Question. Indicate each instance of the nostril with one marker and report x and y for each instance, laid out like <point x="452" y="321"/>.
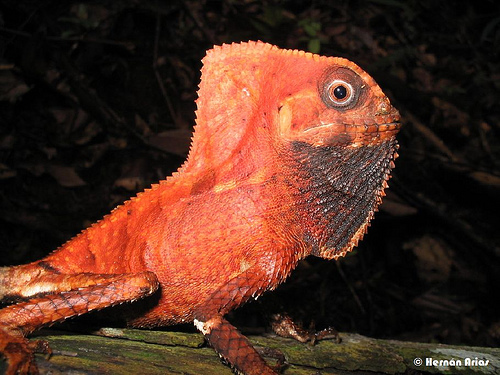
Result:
<point x="384" y="108"/>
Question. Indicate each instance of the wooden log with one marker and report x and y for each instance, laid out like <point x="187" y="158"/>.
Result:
<point x="131" y="351"/>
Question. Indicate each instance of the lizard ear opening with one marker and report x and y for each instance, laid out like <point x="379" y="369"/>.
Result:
<point x="285" y="118"/>
<point x="341" y="89"/>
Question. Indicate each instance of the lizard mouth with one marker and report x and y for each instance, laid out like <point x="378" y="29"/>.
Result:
<point x="371" y="128"/>
<point x="352" y="135"/>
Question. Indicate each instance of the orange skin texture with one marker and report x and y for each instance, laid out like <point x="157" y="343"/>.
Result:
<point x="231" y="223"/>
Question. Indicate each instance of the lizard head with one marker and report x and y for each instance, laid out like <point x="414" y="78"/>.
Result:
<point x="320" y="125"/>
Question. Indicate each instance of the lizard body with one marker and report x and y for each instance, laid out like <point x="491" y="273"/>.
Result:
<point x="290" y="157"/>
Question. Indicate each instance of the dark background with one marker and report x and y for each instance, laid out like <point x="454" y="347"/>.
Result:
<point x="97" y="102"/>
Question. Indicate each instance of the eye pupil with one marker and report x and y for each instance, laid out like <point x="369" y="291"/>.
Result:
<point x="340" y="92"/>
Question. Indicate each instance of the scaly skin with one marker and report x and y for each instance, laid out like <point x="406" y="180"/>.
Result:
<point x="281" y="166"/>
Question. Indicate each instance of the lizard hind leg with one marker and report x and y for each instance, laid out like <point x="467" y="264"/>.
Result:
<point x="87" y="292"/>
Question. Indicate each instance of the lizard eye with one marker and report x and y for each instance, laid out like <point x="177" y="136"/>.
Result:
<point x="341" y="89"/>
<point x="340" y="93"/>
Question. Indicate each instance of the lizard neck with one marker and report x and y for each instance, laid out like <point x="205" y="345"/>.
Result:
<point x="338" y="189"/>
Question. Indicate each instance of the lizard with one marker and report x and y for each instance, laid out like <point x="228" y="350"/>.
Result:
<point x="290" y="156"/>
